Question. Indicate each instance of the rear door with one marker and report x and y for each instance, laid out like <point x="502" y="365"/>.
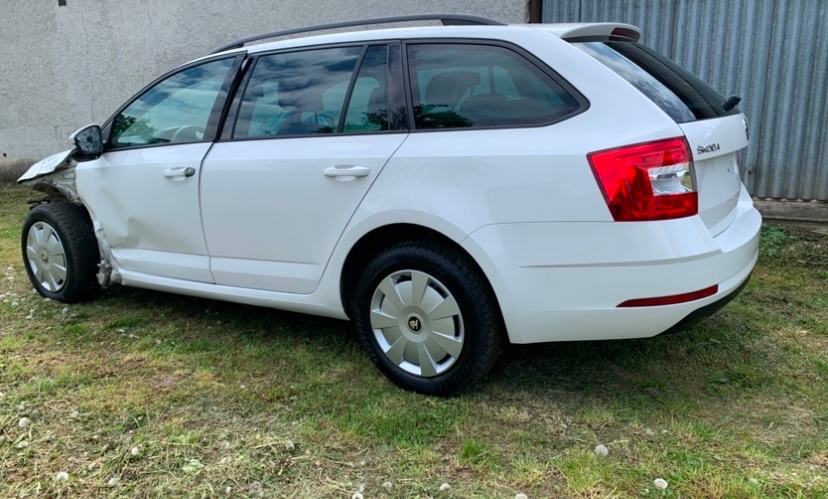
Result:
<point x="311" y="132"/>
<point x="714" y="130"/>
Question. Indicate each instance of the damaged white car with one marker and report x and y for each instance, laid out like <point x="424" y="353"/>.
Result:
<point x="448" y="188"/>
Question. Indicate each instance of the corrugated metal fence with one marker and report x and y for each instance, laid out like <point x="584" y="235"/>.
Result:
<point x="772" y="53"/>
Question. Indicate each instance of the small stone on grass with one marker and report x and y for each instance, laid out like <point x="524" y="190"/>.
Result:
<point x="660" y="483"/>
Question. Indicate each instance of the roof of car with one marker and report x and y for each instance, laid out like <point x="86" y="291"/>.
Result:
<point x="459" y="26"/>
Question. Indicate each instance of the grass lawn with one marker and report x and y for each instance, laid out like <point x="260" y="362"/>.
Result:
<point x="145" y="394"/>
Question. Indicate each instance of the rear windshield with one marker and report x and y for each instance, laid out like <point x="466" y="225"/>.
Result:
<point x="678" y="92"/>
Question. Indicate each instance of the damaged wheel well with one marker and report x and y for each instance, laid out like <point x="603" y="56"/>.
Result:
<point x="55" y="193"/>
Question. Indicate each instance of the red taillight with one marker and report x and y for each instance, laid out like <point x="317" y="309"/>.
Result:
<point x="650" y="181"/>
<point x="672" y="299"/>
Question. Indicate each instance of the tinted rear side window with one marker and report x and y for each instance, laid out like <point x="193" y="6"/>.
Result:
<point x="678" y="92"/>
<point x="473" y="86"/>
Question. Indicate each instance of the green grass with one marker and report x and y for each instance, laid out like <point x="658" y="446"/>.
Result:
<point x="271" y="404"/>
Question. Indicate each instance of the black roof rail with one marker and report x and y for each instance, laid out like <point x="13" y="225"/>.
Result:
<point x="446" y="19"/>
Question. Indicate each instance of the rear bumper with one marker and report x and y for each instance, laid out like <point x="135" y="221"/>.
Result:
<point x="706" y="311"/>
<point x="564" y="281"/>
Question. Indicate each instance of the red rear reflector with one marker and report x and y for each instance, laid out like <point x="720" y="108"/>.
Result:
<point x="672" y="299"/>
<point x="650" y="181"/>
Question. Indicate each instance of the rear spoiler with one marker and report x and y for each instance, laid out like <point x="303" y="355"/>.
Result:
<point x="593" y="32"/>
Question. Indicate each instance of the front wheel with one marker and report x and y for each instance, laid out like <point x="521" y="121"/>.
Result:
<point x="427" y="318"/>
<point x="60" y="252"/>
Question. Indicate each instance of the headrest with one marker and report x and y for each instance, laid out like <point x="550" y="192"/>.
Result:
<point x="446" y="89"/>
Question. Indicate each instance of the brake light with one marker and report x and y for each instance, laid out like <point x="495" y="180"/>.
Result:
<point x="650" y="181"/>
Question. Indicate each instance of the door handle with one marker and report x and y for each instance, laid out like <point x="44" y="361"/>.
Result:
<point x="179" y="173"/>
<point x="347" y="172"/>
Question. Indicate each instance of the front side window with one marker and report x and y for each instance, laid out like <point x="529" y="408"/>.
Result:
<point x="296" y="93"/>
<point x="175" y="111"/>
<point x="473" y="86"/>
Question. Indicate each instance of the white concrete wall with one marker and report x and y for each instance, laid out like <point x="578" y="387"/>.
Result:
<point x="67" y="66"/>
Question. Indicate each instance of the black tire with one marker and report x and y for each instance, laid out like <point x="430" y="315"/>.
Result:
<point x="476" y="322"/>
<point x="60" y="252"/>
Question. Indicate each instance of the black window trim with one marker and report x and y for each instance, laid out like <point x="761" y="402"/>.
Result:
<point x="216" y="114"/>
<point x="231" y="118"/>
<point x="343" y="113"/>
<point x="395" y="85"/>
<point x="583" y="102"/>
<point x="228" y="127"/>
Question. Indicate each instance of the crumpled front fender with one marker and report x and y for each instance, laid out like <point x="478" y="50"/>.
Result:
<point x="55" y="177"/>
<point x="53" y="163"/>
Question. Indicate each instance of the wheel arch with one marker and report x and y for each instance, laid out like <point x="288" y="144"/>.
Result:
<point x="361" y="253"/>
<point x="58" y="193"/>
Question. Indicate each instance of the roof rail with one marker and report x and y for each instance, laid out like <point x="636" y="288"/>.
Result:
<point x="446" y="19"/>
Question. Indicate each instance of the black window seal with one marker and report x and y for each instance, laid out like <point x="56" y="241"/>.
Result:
<point x="240" y="78"/>
<point x="396" y="94"/>
<point x="317" y="135"/>
<point x="215" y="113"/>
<point x="409" y="99"/>
<point x="583" y="102"/>
<point x="347" y="101"/>
<point x="229" y="128"/>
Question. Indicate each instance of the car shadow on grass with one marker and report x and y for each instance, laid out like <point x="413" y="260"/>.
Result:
<point x="706" y="360"/>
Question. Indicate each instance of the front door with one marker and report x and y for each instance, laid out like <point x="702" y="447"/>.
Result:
<point x="144" y="188"/>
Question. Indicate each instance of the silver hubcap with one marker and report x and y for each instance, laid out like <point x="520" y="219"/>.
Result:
<point x="46" y="256"/>
<point x="417" y="323"/>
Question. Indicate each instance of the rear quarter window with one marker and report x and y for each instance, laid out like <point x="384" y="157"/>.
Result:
<point x="480" y="86"/>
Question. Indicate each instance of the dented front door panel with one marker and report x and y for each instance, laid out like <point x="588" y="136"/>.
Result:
<point x="146" y="202"/>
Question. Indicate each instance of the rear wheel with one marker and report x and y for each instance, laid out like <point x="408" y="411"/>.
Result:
<point x="427" y="318"/>
<point x="60" y="252"/>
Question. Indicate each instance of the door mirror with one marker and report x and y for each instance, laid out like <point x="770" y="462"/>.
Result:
<point x="88" y="142"/>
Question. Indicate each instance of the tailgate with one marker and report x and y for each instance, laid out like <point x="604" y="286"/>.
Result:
<point x="715" y="144"/>
<point x="714" y="128"/>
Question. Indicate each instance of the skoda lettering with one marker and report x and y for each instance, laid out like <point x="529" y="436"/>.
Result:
<point x="708" y="149"/>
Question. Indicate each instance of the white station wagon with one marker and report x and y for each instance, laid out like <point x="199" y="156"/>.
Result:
<point x="448" y="188"/>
